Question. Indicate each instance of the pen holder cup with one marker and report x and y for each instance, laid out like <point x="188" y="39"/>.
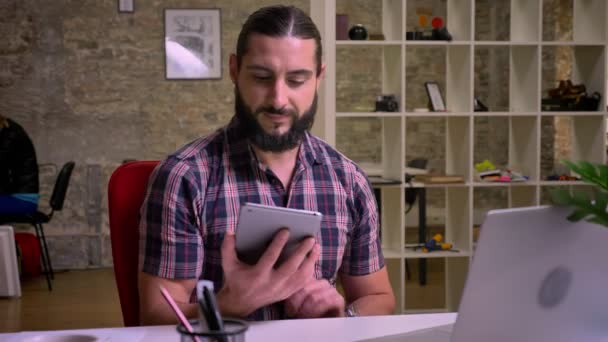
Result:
<point x="234" y="331"/>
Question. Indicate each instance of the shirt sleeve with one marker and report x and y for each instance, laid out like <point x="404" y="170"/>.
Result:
<point x="170" y="241"/>
<point x="363" y="254"/>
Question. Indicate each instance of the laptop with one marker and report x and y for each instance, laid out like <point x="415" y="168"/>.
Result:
<point x="535" y="276"/>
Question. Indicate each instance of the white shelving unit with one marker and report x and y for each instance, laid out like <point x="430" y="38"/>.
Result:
<point x="524" y="115"/>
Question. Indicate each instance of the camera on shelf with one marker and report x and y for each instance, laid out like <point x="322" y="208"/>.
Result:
<point x="386" y="103"/>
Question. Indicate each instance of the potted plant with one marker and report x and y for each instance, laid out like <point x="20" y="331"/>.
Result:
<point x="593" y="209"/>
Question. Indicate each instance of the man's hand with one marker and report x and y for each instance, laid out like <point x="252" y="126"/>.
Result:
<point x="317" y="299"/>
<point x="248" y="288"/>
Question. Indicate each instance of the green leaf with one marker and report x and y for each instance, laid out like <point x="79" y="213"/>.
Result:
<point x="561" y="196"/>
<point x="596" y="210"/>
<point x="603" y="171"/>
<point x="578" y="215"/>
<point x="581" y="197"/>
<point x="599" y="220"/>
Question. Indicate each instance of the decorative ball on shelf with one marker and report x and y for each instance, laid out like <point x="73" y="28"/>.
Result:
<point x="357" y="32"/>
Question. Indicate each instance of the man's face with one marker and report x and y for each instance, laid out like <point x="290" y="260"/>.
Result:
<point x="275" y="90"/>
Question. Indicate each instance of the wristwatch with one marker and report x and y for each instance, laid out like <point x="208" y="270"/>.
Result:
<point x="350" y="311"/>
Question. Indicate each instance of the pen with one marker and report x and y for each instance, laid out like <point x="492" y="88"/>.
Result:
<point x="217" y="323"/>
<point x="177" y="311"/>
<point x="209" y="308"/>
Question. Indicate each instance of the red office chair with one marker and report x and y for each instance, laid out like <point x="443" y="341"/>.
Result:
<point x="126" y="192"/>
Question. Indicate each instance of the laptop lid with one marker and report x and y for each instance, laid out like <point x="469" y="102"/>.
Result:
<point x="536" y="276"/>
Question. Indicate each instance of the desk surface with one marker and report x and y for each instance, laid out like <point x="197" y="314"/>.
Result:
<point x="329" y="329"/>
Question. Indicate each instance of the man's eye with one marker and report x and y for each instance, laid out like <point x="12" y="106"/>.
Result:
<point x="296" y="82"/>
<point x="262" y="78"/>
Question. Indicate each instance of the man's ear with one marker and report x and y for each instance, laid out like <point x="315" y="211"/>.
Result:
<point x="320" y="75"/>
<point x="233" y="68"/>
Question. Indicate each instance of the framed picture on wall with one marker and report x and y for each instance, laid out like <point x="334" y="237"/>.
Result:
<point x="125" y="6"/>
<point x="193" y="47"/>
<point x="432" y="90"/>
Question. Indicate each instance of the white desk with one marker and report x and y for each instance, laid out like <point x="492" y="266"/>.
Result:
<point x="317" y="330"/>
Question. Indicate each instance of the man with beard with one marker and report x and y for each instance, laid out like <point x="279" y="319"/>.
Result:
<point x="266" y="155"/>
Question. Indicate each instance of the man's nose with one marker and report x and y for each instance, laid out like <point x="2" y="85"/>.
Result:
<point x="278" y="94"/>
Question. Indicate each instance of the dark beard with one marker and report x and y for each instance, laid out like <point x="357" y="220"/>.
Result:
<point x="269" y="142"/>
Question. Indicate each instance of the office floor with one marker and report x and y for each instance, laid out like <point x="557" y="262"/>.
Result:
<point x="80" y="299"/>
<point x="88" y="299"/>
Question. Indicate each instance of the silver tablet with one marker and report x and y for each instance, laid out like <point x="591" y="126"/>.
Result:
<point x="258" y="224"/>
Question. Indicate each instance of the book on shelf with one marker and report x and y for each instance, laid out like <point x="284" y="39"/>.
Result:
<point x="439" y="178"/>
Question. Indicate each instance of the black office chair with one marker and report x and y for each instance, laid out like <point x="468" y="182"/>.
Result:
<point x="410" y="196"/>
<point x="412" y="193"/>
<point x="38" y="218"/>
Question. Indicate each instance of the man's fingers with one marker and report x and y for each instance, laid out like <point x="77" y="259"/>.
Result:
<point x="311" y="258"/>
<point x="293" y="303"/>
<point x="324" y="301"/>
<point x="303" y="252"/>
<point x="272" y="253"/>
<point x="309" y="292"/>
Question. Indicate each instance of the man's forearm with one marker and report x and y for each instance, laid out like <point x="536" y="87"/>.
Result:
<point x="162" y="314"/>
<point x="374" y="305"/>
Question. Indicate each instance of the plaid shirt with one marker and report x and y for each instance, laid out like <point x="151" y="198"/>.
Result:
<point x="194" y="197"/>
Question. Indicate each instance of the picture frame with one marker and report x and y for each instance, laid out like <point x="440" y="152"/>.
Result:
<point x="435" y="98"/>
<point x="126" y="6"/>
<point x="193" y="47"/>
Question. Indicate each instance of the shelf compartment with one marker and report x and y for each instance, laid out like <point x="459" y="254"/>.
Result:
<point x="422" y="141"/>
<point x="523" y="196"/>
<point x="525" y="20"/>
<point x="458" y="146"/>
<point x="436" y="9"/>
<point x="459" y="22"/>
<point x="377" y="17"/>
<point x="393" y="147"/>
<point x="392" y="202"/>
<point x="425" y="296"/>
<point x="392" y="19"/>
<point x="365" y="72"/>
<point x="524" y="139"/>
<point x="458" y="218"/>
<point x="421" y="225"/>
<point x="492" y="20"/>
<point x="589" y="20"/>
<point x="557" y="19"/>
<point x="367" y="148"/>
<point x="492" y="69"/>
<point x="459" y="97"/>
<point x="457" y="270"/>
<point x="580" y="64"/>
<point x="491" y="141"/>
<point x="424" y="64"/>
<point x="524" y="79"/>
<point x="486" y="199"/>
<point x="573" y="138"/>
